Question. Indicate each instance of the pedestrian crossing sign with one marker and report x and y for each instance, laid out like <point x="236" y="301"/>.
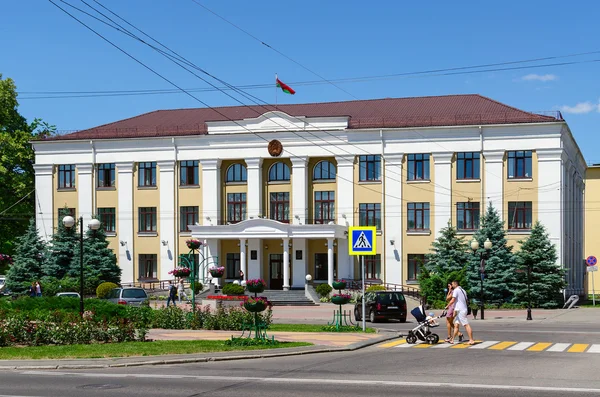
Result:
<point x="362" y="240"/>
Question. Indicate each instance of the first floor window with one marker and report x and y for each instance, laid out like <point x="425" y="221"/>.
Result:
<point x="519" y="215"/>
<point x="370" y="215"/>
<point x="415" y="263"/>
<point x="467" y="216"/>
<point x="321" y="267"/>
<point x="147" y="266"/>
<point x="107" y="217"/>
<point x="187" y="216"/>
<point x="418" y="216"/>
<point x="147" y="220"/>
<point x="236" y="207"/>
<point x="373" y="267"/>
<point x="233" y="265"/>
<point x="324" y="207"/>
<point x="280" y="206"/>
<point x="66" y="176"/>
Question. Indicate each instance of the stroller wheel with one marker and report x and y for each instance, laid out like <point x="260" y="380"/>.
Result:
<point x="411" y="339"/>
<point x="432" y="339"/>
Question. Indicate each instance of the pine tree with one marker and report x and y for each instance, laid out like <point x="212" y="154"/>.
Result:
<point x="28" y="260"/>
<point x="501" y="264"/>
<point x="538" y="254"/>
<point x="99" y="261"/>
<point x="62" y="248"/>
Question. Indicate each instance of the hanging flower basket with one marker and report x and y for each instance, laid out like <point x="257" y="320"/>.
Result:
<point x="256" y="305"/>
<point x="340" y="299"/>
<point x="180" y="272"/>
<point x="339" y="284"/>
<point x="216" y="272"/>
<point x="193" y="244"/>
<point x="256" y="285"/>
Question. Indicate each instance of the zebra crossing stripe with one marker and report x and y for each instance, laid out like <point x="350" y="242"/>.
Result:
<point x="538" y="347"/>
<point x="423" y="346"/>
<point x="521" y="346"/>
<point x="394" y="343"/>
<point x="485" y="345"/>
<point x="578" y="348"/>
<point x="594" y="349"/>
<point x="559" y="347"/>
<point x="442" y="345"/>
<point x="405" y="345"/>
<point x="502" y="345"/>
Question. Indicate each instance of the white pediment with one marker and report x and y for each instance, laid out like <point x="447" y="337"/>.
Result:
<point x="277" y="121"/>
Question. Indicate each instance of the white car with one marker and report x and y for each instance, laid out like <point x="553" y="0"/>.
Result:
<point x="68" y="294"/>
<point x="2" y="282"/>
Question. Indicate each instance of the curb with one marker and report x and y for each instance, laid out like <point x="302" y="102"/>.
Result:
<point x="352" y="347"/>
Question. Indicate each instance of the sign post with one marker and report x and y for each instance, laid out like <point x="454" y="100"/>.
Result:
<point x="362" y="242"/>
<point x="591" y="262"/>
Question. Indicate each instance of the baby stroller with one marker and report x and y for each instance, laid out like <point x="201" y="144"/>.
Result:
<point x="422" y="331"/>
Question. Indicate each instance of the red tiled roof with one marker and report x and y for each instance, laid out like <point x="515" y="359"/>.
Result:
<point x="451" y="110"/>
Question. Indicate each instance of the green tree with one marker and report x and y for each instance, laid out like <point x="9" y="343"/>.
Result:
<point x="538" y="254"/>
<point x="29" y="258"/>
<point x="99" y="261"/>
<point x="62" y="248"/>
<point x="501" y="264"/>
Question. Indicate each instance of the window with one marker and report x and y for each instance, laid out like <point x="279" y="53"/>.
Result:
<point x="519" y="164"/>
<point x="415" y="262"/>
<point x="418" y="216"/>
<point x="279" y="172"/>
<point x="108" y="219"/>
<point x="418" y="167"/>
<point x="66" y="177"/>
<point x="237" y="173"/>
<point x="324" y="207"/>
<point x="321" y="267"/>
<point x="280" y="207"/>
<point x="188" y="173"/>
<point x="62" y="212"/>
<point x="147" y="266"/>
<point x="324" y="171"/>
<point x="519" y="215"/>
<point x="106" y="175"/>
<point x="187" y="216"/>
<point x="373" y="267"/>
<point x="233" y="265"/>
<point x="147" y="174"/>
<point x="369" y="168"/>
<point x="236" y="207"/>
<point x="370" y="215"/>
<point x="467" y="216"/>
<point x="467" y="165"/>
<point x="147" y="219"/>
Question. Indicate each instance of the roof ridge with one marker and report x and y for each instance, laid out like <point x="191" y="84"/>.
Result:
<point x="119" y="121"/>
<point x="504" y="104"/>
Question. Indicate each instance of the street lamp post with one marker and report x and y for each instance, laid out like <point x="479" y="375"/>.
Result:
<point x="94" y="224"/>
<point x="482" y="256"/>
<point x="529" y="293"/>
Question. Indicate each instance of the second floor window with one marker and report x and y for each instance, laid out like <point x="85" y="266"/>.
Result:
<point x="519" y="215"/>
<point x="147" y="174"/>
<point x="324" y="171"/>
<point x="369" y="168"/>
<point x="66" y="176"/>
<point x="467" y="216"/>
<point x="370" y="215"/>
<point x="107" y="216"/>
<point x="188" y="173"/>
<point x="418" y="216"/>
<point x="519" y="164"/>
<point x="279" y="172"/>
<point x="415" y="263"/>
<point x="147" y="220"/>
<point x="236" y="173"/>
<point x="418" y="167"/>
<point x="280" y="206"/>
<point x="324" y="207"/>
<point x="187" y="216"/>
<point x="467" y="165"/>
<point x="236" y="207"/>
<point x="106" y="175"/>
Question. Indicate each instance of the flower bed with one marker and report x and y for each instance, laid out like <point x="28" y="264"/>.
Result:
<point x="227" y="297"/>
<point x="193" y="244"/>
<point x="256" y="285"/>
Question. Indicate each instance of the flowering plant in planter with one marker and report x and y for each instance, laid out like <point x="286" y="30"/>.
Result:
<point x="5" y="259"/>
<point x="193" y="243"/>
<point x="341" y="299"/>
<point x="257" y="304"/>
<point x="256" y="285"/>
<point x="180" y="272"/>
<point x="339" y="284"/>
<point x="216" y="271"/>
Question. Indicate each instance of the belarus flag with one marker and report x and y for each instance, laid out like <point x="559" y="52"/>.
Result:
<point x="284" y="87"/>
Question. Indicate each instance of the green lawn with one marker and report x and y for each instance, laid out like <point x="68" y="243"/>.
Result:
<point x="311" y="328"/>
<point x="127" y="349"/>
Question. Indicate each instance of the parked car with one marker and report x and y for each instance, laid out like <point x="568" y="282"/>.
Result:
<point x="2" y="282"/>
<point x="382" y="305"/>
<point x="127" y="296"/>
<point x="69" y="295"/>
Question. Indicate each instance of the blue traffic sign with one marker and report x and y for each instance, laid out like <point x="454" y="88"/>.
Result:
<point x="591" y="260"/>
<point x="362" y="240"/>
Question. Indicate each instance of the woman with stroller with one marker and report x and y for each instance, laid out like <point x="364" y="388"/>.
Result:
<point x="450" y="316"/>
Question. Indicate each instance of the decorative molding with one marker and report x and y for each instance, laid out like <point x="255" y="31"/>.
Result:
<point x="493" y="156"/>
<point x="125" y="167"/>
<point x="43" y="169"/>
<point x="345" y="161"/>
<point x="255" y="163"/>
<point x="551" y="155"/>
<point x="442" y="157"/>
<point x="299" y="161"/>
<point x="166" y="166"/>
<point x="84" y="168"/>
<point x="210" y="164"/>
<point x="393" y="158"/>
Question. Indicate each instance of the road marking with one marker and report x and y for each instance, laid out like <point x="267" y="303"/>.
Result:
<point x="559" y="347"/>
<point x="442" y="345"/>
<point x="394" y="343"/>
<point x="538" y="347"/>
<point x="485" y="345"/>
<point x="521" y="346"/>
<point x="502" y="345"/>
<point x="578" y="348"/>
<point x="406" y="345"/>
<point x="594" y="349"/>
<point x="423" y="346"/>
<point x="461" y="345"/>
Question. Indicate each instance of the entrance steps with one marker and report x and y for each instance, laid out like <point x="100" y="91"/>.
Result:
<point x="287" y="298"/>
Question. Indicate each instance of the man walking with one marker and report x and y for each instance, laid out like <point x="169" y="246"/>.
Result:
<point x="172" y="294"/>
<point x="181" y="291"/>
<point x="459" y="300"/>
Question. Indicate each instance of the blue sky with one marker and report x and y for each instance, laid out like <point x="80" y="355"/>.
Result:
<point x="45" y="50"/>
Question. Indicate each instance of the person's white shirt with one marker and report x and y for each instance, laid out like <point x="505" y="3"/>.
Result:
<point x="460" y="299"/>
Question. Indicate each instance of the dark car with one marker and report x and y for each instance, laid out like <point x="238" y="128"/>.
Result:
<point x="127" y="296"/>
<point x="382" y="305"/>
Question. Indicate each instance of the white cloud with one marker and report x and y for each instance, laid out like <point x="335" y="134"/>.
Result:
<point x="539" y="77"/>
<point x="581" y="108"/>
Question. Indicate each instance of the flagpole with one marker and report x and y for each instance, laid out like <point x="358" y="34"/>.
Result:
<point x="275" y="90"/>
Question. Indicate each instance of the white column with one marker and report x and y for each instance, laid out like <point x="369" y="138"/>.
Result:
<point x="255" y="188"/>
<point x="286" y="264"/>
<point x="442" y="205"/>
<point x="125" y="218"/>
<point x="44" y="188"/>
<point x="85" y="192"/>
<point x="343" y="259"/>
<point x="299" y="265"/>
<point x="211" y="255"/>
<point x="299" y="190"/>
<point x="166" y="210"/>
<point x="211" y="192"/>
<point x="344" y="201"/>
<point x="243" y="258"/>
<point x="494" y="181"/>
<point x="330" y="261"/>
<point x="393" y="218"/>
<point x="255" y="265"/>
